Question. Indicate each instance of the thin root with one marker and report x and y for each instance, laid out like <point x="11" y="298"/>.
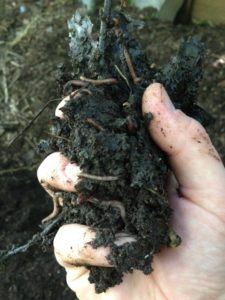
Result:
<point x="31" y="122"/>
<point x="108" y="81"/>
<point x="57" y="136"/>
<point x="37" y="238"/>
<point x="122" y="75"/>
<point x="130" y="66"/>
<point x="19" y="169"/>
<point x="99" y="178"/>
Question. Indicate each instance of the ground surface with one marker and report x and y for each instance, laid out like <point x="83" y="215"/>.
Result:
<point x="28" y="68"/>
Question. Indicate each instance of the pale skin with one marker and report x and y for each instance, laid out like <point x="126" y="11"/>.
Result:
<point x="196" y="189"/>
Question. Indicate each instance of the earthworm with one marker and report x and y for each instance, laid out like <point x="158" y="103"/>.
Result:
<point x="108" y="81"/>
<point x="75" y="82"/>
<point x="113" y="203"/>
<point x="99" y="178"/>
<point x="57" y="203"/>
<point x="86" y="91"/>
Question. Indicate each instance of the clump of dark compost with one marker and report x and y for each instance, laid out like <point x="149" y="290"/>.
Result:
<point x="104" y="132"/>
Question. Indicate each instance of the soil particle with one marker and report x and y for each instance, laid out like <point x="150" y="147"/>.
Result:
<point x="36" y="275"/>
<point x="114" y="146"/>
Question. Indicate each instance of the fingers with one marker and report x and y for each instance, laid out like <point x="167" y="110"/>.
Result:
<point x="57" y="173"/>
<point x="72" y="248"/>
<point x="73" y="252"/>
<point x="58" y="112"/>
<point x="193" y="159"/>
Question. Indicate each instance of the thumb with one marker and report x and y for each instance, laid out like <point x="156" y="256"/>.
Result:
<point x="192" y="157"/>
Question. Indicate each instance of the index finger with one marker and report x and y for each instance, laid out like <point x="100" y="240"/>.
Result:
<point x="72" y="247"/>
<point x="193" y="159"/>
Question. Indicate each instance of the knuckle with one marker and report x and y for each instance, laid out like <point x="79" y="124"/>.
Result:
<point x="191" y="126"/>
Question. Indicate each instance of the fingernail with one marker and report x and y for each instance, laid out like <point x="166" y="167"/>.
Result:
<point x="155" y="97"/>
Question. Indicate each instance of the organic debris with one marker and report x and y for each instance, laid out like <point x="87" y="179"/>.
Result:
<point x="117" y="157"/>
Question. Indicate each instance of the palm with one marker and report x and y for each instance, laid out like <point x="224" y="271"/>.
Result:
<point x="181" y="273"/>
<point x="193" y="271"/>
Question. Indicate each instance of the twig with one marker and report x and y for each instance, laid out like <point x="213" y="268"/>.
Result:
<point x="30" y="143"/>
<point x="14" y="170"/>
<point x="56" y="136"/>
<point x="23" y="33"/>
<point x="155" y="193"/>
<point x="31" y="122"/>
<point x="130" y="66"/>
<point x="4" y="84"/>
<point x="108" y="81"/>
<point x="104" y="24"/>
<point x="99" y="178"/>
<point x="94" y="124"/>
<point x="37" y="238"/>
<point x="3" y="58"/>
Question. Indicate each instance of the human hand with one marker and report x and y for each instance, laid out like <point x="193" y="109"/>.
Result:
<point x="196" y="188"/>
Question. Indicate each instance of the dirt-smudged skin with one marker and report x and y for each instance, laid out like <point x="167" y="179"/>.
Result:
<point x="104" y="132"/>
<point x="136" y="162"/>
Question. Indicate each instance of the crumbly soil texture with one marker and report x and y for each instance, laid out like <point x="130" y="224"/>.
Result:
<point x="122" y="185"/>
<point x="30" y="68"/>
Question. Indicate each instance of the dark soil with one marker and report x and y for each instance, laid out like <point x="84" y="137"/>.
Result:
<point x="103" y="132"/>
<point x="35" y="275"/>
